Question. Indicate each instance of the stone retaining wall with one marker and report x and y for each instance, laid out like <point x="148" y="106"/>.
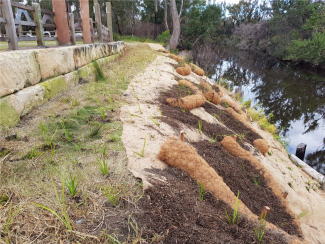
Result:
<point x="30" y="78"/>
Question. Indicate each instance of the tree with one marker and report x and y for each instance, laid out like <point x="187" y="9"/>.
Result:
<point x="174" y="40"/>
<point x="165" y="15"/>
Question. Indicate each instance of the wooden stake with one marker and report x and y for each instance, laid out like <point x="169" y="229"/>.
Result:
<point x="10" y="24"/>
<point x="265" y="211"/>
<point x="285" y="194"/>
<point x="72" y="29"/>
<point x="182" y="135"/>
<point x="39" y="25"/>
<point x="109" y="20"/>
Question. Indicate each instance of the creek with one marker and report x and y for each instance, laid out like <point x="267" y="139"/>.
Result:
<point x="295" y="96"/>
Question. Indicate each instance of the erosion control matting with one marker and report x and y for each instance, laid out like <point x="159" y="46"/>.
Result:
<point x="241" y="176"/>
<point x="176" y="213"/>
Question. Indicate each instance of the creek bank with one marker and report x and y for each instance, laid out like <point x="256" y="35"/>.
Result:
<point x="146" y="120"/>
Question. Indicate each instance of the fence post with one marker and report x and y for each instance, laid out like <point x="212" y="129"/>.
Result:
<point x="39" y="25"/>
<point x="98" y="19"/>
<point x="84" y="12"/>
<point x="61" y="21"/>
<point x="109" y="20"/>
<point x="92" y="33"/>
<point x="73" y="33"/>
<point x="9" y="25"/>
<point x="20" y="30"/>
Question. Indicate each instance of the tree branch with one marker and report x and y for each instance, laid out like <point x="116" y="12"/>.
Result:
<point x="180" y="12"/>
<point x="197" y="39"/>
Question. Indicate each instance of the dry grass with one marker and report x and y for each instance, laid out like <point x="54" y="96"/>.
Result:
<point x="27" y="180"/>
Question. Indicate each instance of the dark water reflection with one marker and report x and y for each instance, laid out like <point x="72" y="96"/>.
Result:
<point x="295" y="96"/>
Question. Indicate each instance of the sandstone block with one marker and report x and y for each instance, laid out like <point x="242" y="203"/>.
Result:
<point x="54" y="62"/>
<point x="18" y="70"/>
<point x="88" y="72"/>
<point x="53" y="87"/>
<point x="72" y="78"/>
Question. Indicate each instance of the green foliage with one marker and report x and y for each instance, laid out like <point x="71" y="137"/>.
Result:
<point x="112" y="194"/>
<point x="200" y="126"/>
<point x="102" y="164"/>
<point x="201" y="191"/>
<point x="144" y="145"/>
<point x="64" y="218"/>
<point x="10" y="218"/>
<point x="235" y="217"/>
<point x="33" y="154"/>
<point x="259" y="231"/>
<point x="164" y="37"/>
<point x="72" y="186"/>
<point x="66" y="131"/>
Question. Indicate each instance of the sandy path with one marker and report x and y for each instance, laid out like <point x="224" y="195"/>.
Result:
<point x="144" y="90"/>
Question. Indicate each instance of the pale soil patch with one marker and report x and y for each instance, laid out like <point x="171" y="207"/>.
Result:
<point x="159" y="76"/>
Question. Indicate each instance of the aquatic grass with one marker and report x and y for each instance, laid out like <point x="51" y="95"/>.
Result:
<point x="64" y="218"/>
<point x="144" y="145"/>
<point x="235" y="217"/>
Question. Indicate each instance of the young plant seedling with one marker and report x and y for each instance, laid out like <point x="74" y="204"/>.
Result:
<point x="52" y="153"/>
<point x="33" y="154"/>
<point x="259" y="231"/>
<point x="202" y="191"/>
<point x="102" y="112"/>
<point x="66" y="131"/>
<point x="154" y="119"/>
<point x="10" y="218"/>
<point x="72" y="187"/>
<point x="112" y="195"/>
<point x="132" y="121"/>
<point x="102" y="165"/>
<point x="200" y="126"/>
<point x="256" y="181"/>
<point x="144" y="145"/>
<point x="139" y="108"/>
<point x="64" y="218"/>
<point x="235" y="217"/>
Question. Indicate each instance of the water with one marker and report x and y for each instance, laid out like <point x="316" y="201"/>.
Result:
<point x="295" y="96"/>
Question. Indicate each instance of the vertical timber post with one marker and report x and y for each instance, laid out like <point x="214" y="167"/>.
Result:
<point x="300" y="151"/>
<point x="85" y="23"/>
<point x="39" y="25"/>
<point x="109" y="21"/>
<point x="61" y="21"/>
<point x="91" y="23"/>
<point x="73" y="32"/>
<point x="98" y="19"/>
<point x="20" y="31"/>
<point x="9" y="25"/>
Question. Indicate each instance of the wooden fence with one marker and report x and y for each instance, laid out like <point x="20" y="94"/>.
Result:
<point x="41" y="19"/>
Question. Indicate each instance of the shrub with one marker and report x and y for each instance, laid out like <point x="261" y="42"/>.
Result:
<point x="164" y="37"/>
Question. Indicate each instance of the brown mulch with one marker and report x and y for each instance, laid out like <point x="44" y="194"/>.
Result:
<point x="175" y="211"/>
<point x="239" y="175"/>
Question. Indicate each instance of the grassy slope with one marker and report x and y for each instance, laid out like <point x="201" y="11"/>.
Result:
<point x="27" y="180"/>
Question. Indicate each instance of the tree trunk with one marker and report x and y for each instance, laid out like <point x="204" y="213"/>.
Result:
<point x="155" y="2"/>
<point x="176" y="27"/>
<point x="165" y="16"/>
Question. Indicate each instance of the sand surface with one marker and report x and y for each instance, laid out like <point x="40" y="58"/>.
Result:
<point x="140" y="126"/>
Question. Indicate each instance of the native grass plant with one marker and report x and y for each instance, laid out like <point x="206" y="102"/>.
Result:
<point x="10" y="218"/>
<point x="64" y="218"/>
<point x="102" y="164"/>
<point x="144" y="145"/>
<point x="236" y="216"/>
<point x="71" y="185"/>
<point x="48" y="140"/>
<point x="241" y="136"/>
<point x="260" y="230"/>
<point x="50" y="160"/>
<point x="256" y="181"/>
<point x="201" y="191"/>
<point x="66" y="131"/>
<point x="112" y="193"/>
<point x="303" y="214"/>
<point x="200" y="126"/>
<point x="33" y="154"/>
<point x="102" y="112"/>
<point x="154" y="119"/>
<point x="132" y="121"/>
<point x="139" y="108"/>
